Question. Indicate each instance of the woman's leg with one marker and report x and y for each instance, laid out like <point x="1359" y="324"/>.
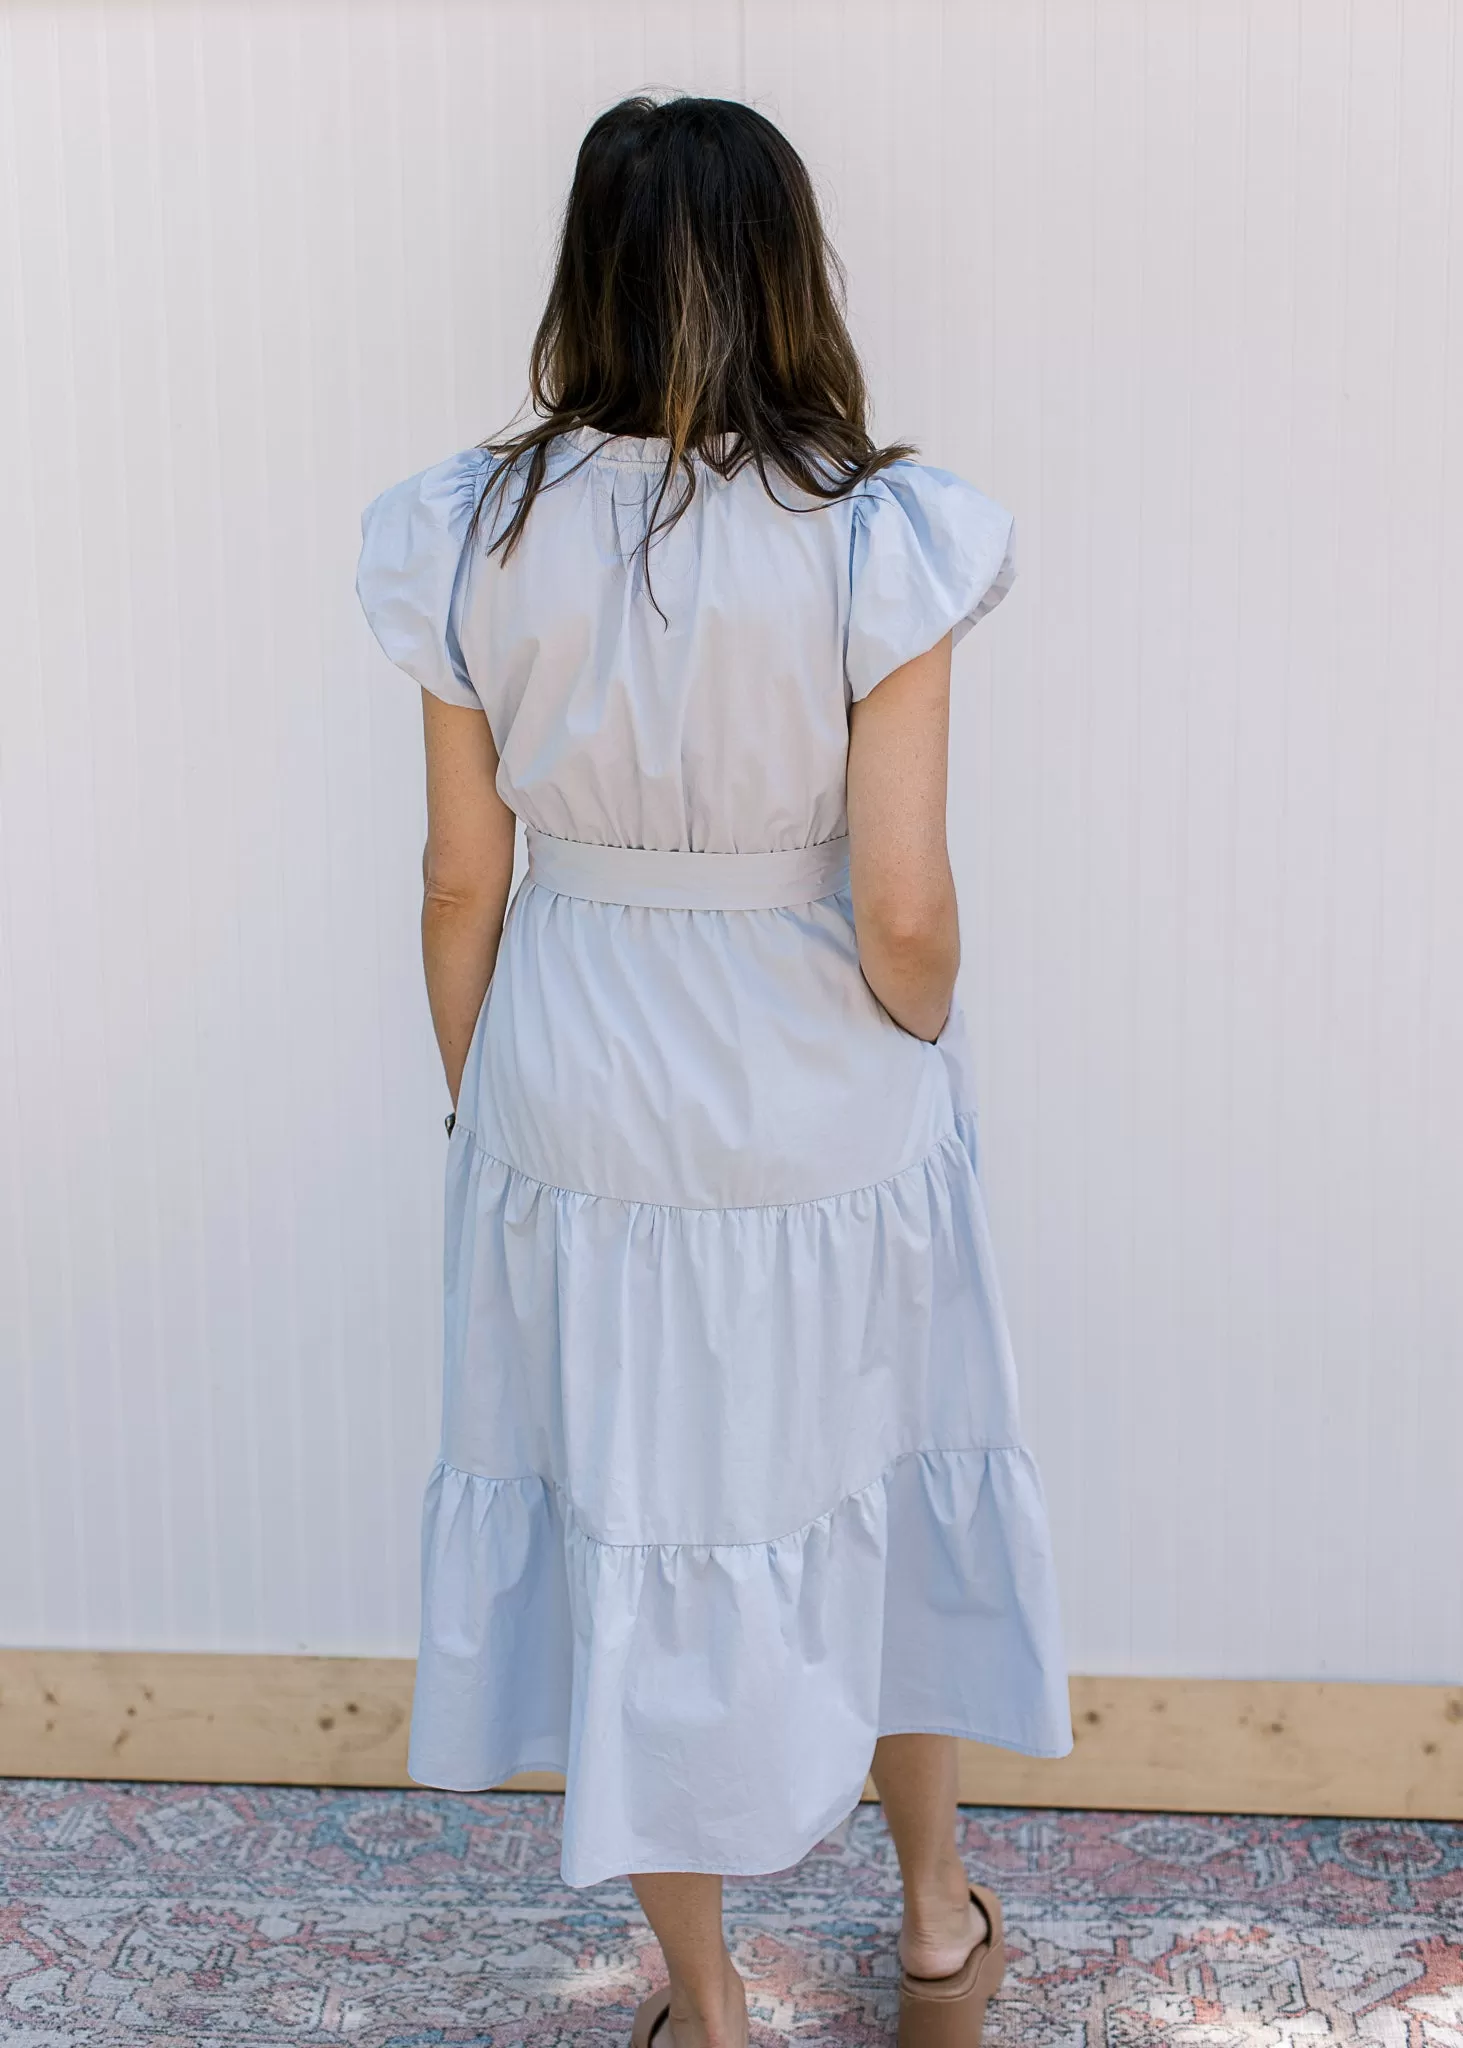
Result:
<point x="915" y="1777"/>
<point x="708" y="1998"/>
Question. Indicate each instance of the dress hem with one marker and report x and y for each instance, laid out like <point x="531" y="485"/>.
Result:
<point x="668" y="1863"/>
<point x="1041" y="1753"/>
<point x="687" y="1867"/>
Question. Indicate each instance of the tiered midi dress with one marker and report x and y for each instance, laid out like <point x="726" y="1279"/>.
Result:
<point x="731" y="1477"/>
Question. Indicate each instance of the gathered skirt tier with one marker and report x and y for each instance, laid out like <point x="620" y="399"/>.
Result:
<point x="725" y="1495"/>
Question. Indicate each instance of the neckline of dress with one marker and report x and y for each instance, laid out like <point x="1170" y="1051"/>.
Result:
<point x="643" y="450"/>
<point x="637" y="451"/>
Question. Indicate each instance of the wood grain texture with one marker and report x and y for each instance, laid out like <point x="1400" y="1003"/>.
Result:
<point x="214" y="1719"/>
<point x="1166" y="1745"/>
<point x="1217" y="1745"/>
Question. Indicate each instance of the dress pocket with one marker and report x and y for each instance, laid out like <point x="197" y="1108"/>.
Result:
<point x="469" y="1088"/>
<point x="953" y="1046"/>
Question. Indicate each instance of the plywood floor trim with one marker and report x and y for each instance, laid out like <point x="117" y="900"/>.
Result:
<point x="1188" y="1745"/>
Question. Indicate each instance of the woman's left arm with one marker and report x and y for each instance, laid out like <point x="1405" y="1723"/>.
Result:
<point x="467" y="870"/>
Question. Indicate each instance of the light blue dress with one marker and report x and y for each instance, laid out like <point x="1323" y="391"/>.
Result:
<point x="732" y="1478"/>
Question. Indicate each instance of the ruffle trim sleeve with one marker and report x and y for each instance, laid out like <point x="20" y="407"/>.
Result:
<point x="929" y="555"/>
<point x="413" y="571"/>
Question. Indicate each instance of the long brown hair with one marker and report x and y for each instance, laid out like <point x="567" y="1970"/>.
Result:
<point x="695" y="299"/>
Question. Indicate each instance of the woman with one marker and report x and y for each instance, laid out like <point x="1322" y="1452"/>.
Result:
<point x="732" y="1503"/>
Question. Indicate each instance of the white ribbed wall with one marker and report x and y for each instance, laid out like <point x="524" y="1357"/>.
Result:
<point x="1177" y="284"/>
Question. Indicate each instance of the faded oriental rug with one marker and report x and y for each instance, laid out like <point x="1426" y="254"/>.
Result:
<point x="177" y="1915"/>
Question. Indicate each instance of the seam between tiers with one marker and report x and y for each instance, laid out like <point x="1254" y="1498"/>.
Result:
<point x="955" y="1135"/>
<point x="758" y="1543"/>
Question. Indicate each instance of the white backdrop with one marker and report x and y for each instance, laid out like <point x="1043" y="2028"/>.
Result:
<point x="1176" y="283"/>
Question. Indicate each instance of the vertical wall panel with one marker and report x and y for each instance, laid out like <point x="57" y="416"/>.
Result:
<point x="1176" y="283"/>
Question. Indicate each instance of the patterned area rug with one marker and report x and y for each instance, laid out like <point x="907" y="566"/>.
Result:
<point x="180" y="1915"/>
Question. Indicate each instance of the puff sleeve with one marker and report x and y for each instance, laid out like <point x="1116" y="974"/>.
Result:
<point x="928" y="555"/>
<point x="413" y="569"/>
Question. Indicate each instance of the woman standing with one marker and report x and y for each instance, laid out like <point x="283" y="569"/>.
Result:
<point x="732" y="1502"/>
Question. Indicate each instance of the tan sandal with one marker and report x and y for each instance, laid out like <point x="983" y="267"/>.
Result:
<point x="949" y="2012"/>
<point x="649" y="2015"/>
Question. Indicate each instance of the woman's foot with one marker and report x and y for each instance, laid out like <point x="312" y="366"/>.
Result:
<point x="708" y="2007"/>
<point x="716" y="2022"/>
<point x="941" y="1928"/>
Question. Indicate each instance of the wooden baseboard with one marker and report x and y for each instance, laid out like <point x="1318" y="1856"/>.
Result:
<point x="1192" y="1745"/>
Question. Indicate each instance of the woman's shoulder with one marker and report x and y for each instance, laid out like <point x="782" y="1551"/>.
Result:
<point x="444" y="495"/>
<point x="930" y="555"/>
<point x="408" y="575"/>
<point x="933" y="501"/>
<point x="436" y="492"/>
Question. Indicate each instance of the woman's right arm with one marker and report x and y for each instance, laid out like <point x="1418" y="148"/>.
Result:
<point x="467" y="871"/>
<point x="904" y="909"/>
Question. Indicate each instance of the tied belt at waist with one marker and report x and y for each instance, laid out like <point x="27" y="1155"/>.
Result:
<point x="687" y="881"/>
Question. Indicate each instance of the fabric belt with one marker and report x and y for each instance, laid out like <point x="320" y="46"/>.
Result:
<point x="687" y="881"/>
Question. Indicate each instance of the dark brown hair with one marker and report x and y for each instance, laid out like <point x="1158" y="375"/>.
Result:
<point x="695" y="299"/>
